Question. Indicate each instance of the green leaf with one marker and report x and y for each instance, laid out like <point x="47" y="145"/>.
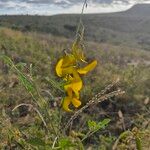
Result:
<point x="103" y="124"/>
<point x="92" y="125"/>
<point x="28" y="84"/>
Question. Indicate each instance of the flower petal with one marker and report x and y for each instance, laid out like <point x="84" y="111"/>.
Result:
<point x="69" y="92"/>
<point x="76" y="102"/>
<point x="77" y="94"/>
<point x="75" y="86"/>
<point x="88" y="68"/>
<point x="58" y="67"/>
<point x="77" y="82"/>
<point x="66" y="103"/>
<point x="67" y="70"/>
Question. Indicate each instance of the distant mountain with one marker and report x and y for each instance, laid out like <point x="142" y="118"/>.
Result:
<point x="139" y="10"/>
<point x="131" y="27"/>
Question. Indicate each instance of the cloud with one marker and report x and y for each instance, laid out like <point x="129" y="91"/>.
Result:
<point x="48" y="7"/>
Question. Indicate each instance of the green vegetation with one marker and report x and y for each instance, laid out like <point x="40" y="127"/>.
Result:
<point x="30" y="79"/>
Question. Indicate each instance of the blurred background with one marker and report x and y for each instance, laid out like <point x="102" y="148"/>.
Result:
<point x="117" y="35"/>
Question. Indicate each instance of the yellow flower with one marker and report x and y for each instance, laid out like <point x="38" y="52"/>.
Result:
<point x="67" y="68"/>
<point x="67" y="101"/>
<point x="75" y="84"/>
<point x="65" y="65"/>
<point x="71" y="98"/>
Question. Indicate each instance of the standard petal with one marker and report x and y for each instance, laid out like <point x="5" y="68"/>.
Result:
<point x="88" y="68"/>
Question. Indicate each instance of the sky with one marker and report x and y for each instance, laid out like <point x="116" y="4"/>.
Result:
<point x="51" y="7"/>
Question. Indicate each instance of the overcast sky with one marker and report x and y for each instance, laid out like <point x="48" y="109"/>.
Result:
<point x="50" y="7"/>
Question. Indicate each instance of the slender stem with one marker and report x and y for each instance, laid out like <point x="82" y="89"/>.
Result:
<point x="80" y="20"/>
<point x="54" y="142"/>
<point x="86" y="136"/>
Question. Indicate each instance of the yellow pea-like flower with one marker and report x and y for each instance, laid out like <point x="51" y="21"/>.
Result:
<point x="65" y="64"/>
<point x="68" y="69"/>
<point x="75" y="87"/>
<point x="75" y="84"/>
<point x="67" y="101"/>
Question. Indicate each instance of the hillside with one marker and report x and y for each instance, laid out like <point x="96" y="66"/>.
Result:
<point x="130" y="28"/>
